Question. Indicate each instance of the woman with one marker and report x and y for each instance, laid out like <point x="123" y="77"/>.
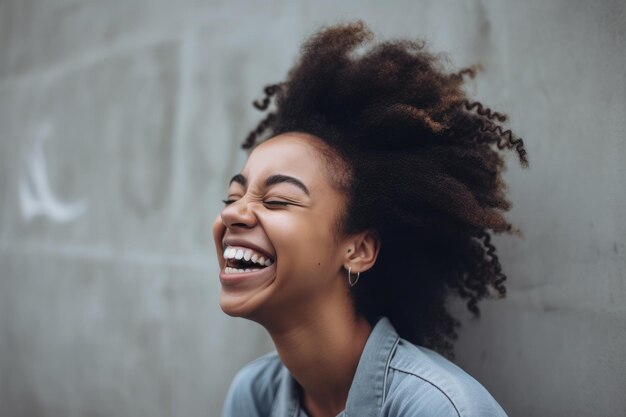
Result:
<point x="346" y="232"/>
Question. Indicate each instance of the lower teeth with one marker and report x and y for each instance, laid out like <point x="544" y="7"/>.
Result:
<point x="230" y="270"/>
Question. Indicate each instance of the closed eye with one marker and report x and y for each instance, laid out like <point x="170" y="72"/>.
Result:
<point x="276" y="203"/>
<point x="267" y="203"/>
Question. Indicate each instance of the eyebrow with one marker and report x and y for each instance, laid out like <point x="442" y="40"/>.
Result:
<point x="277" y="179"/>
<point x="273" y="180"/>
<point x="239" y="179"/>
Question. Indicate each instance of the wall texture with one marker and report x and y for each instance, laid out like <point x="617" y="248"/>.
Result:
<point x="119" y="126"/>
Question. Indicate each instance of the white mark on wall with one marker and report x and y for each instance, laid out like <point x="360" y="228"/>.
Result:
<point x="36" y="196"/>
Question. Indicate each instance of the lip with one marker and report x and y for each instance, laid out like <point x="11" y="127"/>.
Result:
<point x="263" y="274"/>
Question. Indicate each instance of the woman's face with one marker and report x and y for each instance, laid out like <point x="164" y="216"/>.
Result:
<point x="277" y="245"/>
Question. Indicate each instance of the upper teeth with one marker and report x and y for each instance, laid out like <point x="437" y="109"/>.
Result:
<point x="246" y="254"/>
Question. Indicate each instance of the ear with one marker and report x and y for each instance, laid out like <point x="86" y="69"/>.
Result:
<point x="361" y="251"/>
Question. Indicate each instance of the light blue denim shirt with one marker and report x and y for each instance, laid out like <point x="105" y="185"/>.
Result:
<point x="393" y="378"/>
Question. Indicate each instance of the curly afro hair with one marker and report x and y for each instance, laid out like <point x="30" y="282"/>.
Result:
<point x="421" y="166"/>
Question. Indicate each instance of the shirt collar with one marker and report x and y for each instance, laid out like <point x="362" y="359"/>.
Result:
<point x="287" y="401"/>
<point x="367" y="392"/>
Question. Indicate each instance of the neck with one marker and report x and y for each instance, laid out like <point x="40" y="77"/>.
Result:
<point x="322" y="355"/>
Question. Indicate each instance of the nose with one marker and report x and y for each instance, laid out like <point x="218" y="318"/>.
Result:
<point x="238" y="214"/>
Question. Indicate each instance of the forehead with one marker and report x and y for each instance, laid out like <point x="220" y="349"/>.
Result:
<point x="294" y="154"/>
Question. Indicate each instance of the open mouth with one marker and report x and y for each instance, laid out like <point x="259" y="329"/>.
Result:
<point x="241" y="260"/>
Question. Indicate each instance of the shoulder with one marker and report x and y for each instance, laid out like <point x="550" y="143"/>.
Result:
<point x="422" y="382"/>
<point x="253" y="389"/>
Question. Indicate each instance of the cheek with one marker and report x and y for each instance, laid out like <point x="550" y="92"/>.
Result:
<point x="218" y="226"/>
<point x="304" y="241"/>
<point x="218" y="233"/>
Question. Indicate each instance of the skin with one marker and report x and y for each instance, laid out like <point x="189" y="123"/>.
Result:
<point x="302" y="299"/>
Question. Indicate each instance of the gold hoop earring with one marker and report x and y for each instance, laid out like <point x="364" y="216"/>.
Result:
<point x="353" y="283"/>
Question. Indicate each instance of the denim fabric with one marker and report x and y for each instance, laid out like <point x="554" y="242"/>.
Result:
<point x="393" y="378"/>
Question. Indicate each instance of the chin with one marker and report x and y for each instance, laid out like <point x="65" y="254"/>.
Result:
<point x="237" y="306"/>
<point x="230" y="306"/>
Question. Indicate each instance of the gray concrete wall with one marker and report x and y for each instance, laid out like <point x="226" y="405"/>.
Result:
<point x="119" y="125"/>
